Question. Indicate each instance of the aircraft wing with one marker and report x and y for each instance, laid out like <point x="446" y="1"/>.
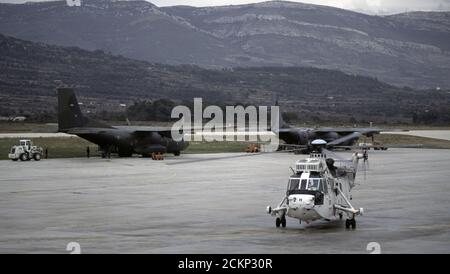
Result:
<point x="139" y="131"/>
<point x="86" y="130"/>
<point x="344" y="139"/>
<point x="144" y="128"/>
<point x="290" y="129"/>
<point x="161" y="131"/>
<point x="363" y="131"/>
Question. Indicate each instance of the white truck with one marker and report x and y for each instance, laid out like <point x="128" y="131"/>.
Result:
<point x="25" y="151"/>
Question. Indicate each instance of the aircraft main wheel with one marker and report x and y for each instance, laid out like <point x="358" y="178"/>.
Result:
<point x="23" y="157"/>
<point x="15" y="160"/>
<point x="278" y="222"/>
<point x="340" y="216"/>
<point x="176" y="153"/>
<point x="37" y="157"/>
<point x="283" y="222"/>
<point x="347" y="223"/>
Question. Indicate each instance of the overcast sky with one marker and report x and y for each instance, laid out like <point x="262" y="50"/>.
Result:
<point x="368" y="6"/>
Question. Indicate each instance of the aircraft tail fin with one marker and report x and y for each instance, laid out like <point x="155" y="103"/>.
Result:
<point x="282" y="123"/>
<point x="69" y="112"/>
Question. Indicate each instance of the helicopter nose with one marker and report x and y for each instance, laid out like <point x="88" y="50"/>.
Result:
<point x="301" y="201"/>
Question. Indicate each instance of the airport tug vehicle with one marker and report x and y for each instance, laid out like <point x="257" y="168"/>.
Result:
<point x="25" y="151"/>
<point x="318" y="189"/>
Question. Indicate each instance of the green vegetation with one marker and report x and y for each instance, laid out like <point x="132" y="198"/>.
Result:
<point x="158" y="110"/>
<point x="59" y="147"/>
<point x="68" y="147"/>
<point x="63" y="147"/>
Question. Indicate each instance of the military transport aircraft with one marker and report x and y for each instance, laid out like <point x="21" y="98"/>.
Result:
<point x="123" y="140"/>
<point x="300" y="139"/>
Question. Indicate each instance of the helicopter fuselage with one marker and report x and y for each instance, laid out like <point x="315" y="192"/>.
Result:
<point x="318" y="190"/>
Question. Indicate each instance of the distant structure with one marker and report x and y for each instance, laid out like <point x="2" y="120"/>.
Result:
<point x="74" y="3"/>
<point x="13" y="119"/>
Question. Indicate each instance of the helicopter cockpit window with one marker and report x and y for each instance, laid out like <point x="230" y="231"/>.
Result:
<point x="315" y="184"/>
<point x="304" y="184"/>
<point x="293" y="184"/>
<point x="299" y="186"/>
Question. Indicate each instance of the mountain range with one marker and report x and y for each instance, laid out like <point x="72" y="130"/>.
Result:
<point x="410" y="49"/>
<point x="31" y="71"/>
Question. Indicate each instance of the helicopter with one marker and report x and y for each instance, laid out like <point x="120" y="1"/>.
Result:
<point x="320" y="190"/>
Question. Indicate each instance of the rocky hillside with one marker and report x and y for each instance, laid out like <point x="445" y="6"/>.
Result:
<point x="31" y="71"/>
<point x="407" y="49"/>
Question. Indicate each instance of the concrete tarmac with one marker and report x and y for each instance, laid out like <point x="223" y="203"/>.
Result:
<point x="215" y="203"/>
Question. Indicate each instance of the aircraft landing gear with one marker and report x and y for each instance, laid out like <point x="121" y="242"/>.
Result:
<point x="106" y="152"/>
<point x="350" y="223"/>
<point x="280" y="221"/>
<point x="340" y="216"/>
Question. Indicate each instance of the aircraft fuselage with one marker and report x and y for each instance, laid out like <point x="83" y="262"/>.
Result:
<point x="126" y="143"/>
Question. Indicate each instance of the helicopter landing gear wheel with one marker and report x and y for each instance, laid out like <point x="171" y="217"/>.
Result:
<point x="283" y="221"/>
<point x="350" y="223"/>
<point x="277" y="222"/>
<point x="340" y="216"/>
